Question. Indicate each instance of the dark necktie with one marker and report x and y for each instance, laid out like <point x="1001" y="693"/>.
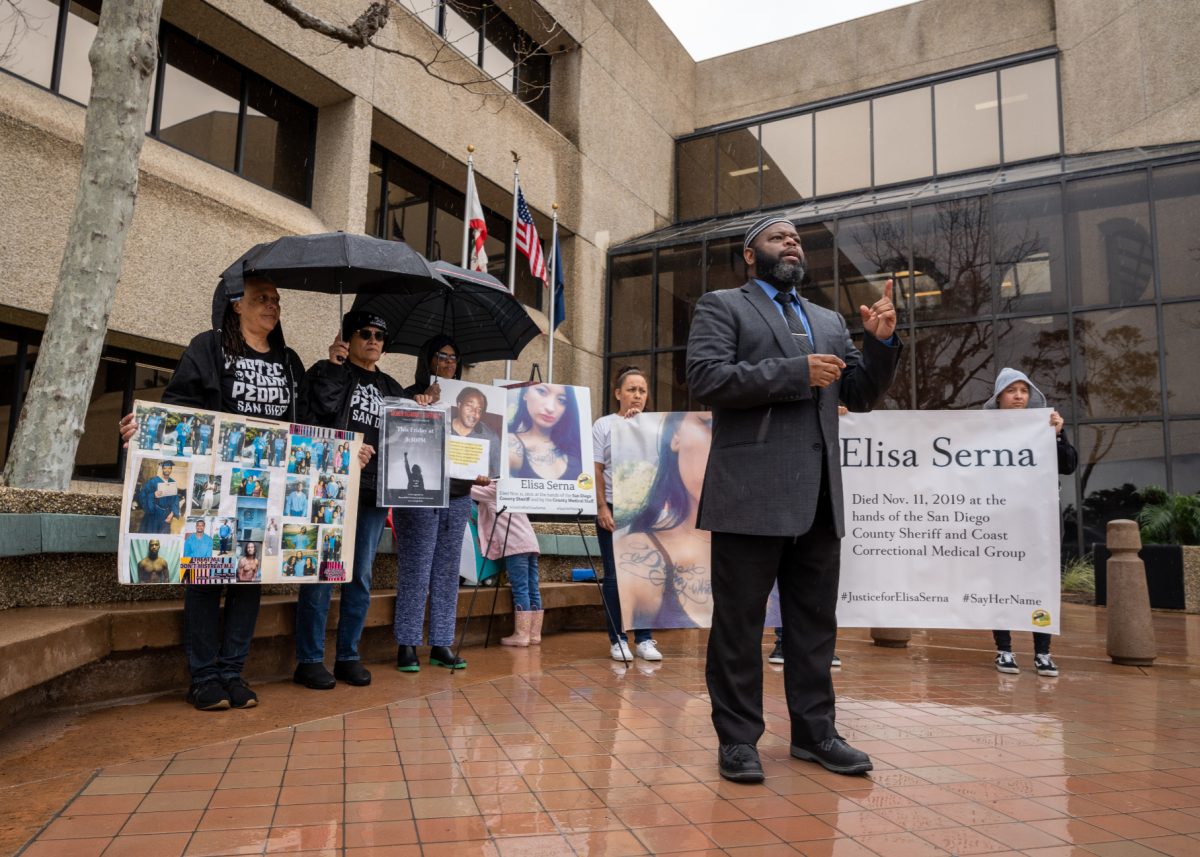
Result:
<point x="795" y="325"/>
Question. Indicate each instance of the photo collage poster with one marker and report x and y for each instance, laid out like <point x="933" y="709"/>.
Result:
<point x="476" y="413"/>
<point x="547" y="466"/>
<point x="223" y="498"/>
<point x="412" y="456"/>
<point x="664" y="568"/>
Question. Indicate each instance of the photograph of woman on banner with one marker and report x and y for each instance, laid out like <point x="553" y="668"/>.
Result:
<point x="543" y="434"/>
<point x="663" y="561"/>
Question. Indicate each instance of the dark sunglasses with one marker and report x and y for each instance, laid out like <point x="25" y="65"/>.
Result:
<point x="369" y="334"/>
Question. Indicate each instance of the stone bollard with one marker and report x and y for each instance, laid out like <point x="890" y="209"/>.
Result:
<point x="1130" y="629"/>
<point x="891" y="638"/>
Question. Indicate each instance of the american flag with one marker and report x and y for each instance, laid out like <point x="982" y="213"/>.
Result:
<point x="527" y="238"/>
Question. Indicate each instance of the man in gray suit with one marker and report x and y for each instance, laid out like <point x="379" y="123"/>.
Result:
<point x="773" y="368"/>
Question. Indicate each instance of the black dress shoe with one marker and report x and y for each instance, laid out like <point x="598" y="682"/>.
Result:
<point x="442" y="656"/>
<point x="407" y="660"/>
<point x="352" y="672"/>
<point x="739" y="763"/>
<point x="834" y="754"/>
<point x="314" y="676"/>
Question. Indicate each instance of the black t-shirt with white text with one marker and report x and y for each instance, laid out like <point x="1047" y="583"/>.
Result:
<point x="256" y="384"/>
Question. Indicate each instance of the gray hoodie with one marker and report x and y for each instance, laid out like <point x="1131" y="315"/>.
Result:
<point x="1010" y="376"/>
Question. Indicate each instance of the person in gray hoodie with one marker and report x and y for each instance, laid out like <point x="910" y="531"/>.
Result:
<point x="1013" y="389"/>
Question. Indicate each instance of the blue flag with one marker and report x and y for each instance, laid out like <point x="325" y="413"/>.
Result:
<point x="560" y="309"/>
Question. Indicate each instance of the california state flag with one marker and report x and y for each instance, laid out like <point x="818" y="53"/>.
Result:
<point x="477" y="259"/>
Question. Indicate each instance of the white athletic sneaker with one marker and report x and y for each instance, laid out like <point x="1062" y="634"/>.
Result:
<point x="647" y="650"/>
<point x="620" y="651"/>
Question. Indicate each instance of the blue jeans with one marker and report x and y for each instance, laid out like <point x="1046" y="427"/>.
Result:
<point x="612" y="596"/>
<point x="312" y="607"/>
<point x="523" y="578"/>
<point x="216" y="653"/>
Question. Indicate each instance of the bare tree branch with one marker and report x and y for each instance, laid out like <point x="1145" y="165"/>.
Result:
<point x="355" y="35"/>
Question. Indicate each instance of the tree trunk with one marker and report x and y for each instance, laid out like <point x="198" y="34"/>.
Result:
<point x="123" y="58"/>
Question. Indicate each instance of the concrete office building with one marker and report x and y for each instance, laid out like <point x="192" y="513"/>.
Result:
<point x="1028" y="171"/>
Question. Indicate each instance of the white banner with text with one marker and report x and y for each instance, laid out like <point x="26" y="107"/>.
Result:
<point x="952" y="520"/>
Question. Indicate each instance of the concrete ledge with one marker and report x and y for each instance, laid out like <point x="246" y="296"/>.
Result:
<point x="103" y="652"/>
<point x="21" y="535"/>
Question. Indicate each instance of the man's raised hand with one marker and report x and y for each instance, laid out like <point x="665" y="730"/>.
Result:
<point x="879" y="319"/>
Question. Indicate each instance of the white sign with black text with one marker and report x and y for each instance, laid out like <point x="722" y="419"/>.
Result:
<point x="952" y="520"/>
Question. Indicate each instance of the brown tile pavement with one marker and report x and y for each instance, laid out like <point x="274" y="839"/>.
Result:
<point x="564" y="752"/>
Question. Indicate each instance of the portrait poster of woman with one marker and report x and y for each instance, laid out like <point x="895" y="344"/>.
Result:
<point x="546" y="465"/>
<point x="662" y="560"/>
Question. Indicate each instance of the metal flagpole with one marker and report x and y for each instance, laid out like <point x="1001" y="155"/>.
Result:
<point x="512" y="246"/>
<point x="466" y="254"/>
<point x="552" y="274"/>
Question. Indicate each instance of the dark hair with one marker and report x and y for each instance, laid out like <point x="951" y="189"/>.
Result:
<point x="667" y="501"/>
<point x="471" y="392"/>
<point x="247" y="547"/>
<point x="624" y="372"/>
<point x="565" y="434"/>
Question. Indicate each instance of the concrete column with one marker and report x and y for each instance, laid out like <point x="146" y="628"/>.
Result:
<point x="1130" y="629"/>
<point x="342" y="164"/>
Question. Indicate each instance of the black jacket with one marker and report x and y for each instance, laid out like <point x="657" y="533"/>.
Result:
<point x="1068" y="458"/>
<point x="327" y="389"/>
<point x="197" y="379"/>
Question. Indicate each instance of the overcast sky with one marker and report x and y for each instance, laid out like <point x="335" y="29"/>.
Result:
<point x="709" y="28"/>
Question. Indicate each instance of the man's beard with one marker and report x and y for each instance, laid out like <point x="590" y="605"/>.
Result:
<point x="779" y="271"/>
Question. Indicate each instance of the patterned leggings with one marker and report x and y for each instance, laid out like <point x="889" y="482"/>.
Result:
<point x="428" y="550"/>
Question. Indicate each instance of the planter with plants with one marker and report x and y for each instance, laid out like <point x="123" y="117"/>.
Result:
<point x="1170" y="528"/>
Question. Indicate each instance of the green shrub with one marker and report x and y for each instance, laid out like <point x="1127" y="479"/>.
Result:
<point x="1169" y="519"/>
<point x="1079" y="575"/>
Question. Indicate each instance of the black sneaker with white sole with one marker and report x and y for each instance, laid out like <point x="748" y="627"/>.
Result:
<point x="776" y="656"/>
<point x="1006" y="663"/>
<point x="1045" y="665"/>
<point x="208" y="696"/>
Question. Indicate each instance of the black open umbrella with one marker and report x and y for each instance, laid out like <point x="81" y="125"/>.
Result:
<point x="335" y="263"/>
<point x="477" y="310"/>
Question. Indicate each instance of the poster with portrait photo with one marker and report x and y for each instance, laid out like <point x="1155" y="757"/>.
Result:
<point x="152" y="560"/>
<point x="412" y="460"/>
<point x="476" y="414"/>
<point x="662" y="560"/>
<point x="546" y="462"/>
<point x="240" y="509"/>
<point x="158" y="501"/>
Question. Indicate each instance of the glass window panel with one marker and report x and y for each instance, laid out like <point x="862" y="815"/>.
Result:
<point x="1116" y="363"/>
<point x="496" y="245"/>
<point x="1185" y="456"/>
<point x="968" y="123"/>
<point x="98" y="450"/>
<point x="200" y="103"/>
<point x="737" y="170"/>
<point x="726" y="265"/>
<point x="13" y="385"/>
<point x="872" y="249"/>
<point x="447" y="229"/>
<point x="499" y="48"/>
<point x="680" y="284"/>
<point x="408" y="206"/>
<point x="1029" y="105"/>
<point x="462" y="28"/>
<point x="670" y="383"/>
<point x="903" y="132"/>
<point x="75" y="82"/>
<point x="1028" y="250"/>
<point x="695" y="161"/>
<point x="787" y="157"/>
<point x="533" y="83"/>
<point x="1115" y="461"/>
<point x="843" y="148"/>
<point x="1181" y="332"/>
<point x="27" y="36"/>
<point x="277" y="142"/>
<point x="951" y="259"/>
<point x="954" y="366"/>
<point x="149" y="382"/>
<point x="817" y="285"/>
<point x="374" y="193"/>
<point x="425" y="11"/>
<point x="630" y="312"/>
<point x="1108" y="234"/>
<point x="1177" y="221"/>
<point x="1039" y="347"/>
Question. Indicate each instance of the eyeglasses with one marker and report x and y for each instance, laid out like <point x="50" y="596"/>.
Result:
<point x="369" y="334"/>
<point x="266" y="300"/>
<point x="443" y="357"/>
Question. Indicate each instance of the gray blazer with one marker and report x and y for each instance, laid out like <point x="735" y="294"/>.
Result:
<point x="770" y="427"/>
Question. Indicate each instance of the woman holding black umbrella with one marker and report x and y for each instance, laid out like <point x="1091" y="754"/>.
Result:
<point x="429" y="541"/>
<point x="242" y="366"/>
